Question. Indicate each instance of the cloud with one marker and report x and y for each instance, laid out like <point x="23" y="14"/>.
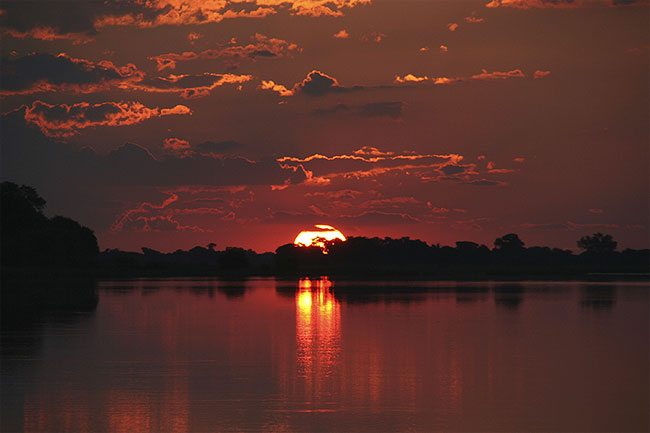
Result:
<point x="317" y="83"/>
<point x="49" y="34"/>
<point x="596" y="211"/>
<point x="274" y="87"/>
<point x="486" y="182"/>
<point x="176" y="144"/>
<point x="193" y="36"/>
<point x="373" y="37"/>
<point x="443" y="48"/>
<point x="81" y="21"/>
<point x="473" y="19"/>
<point x="187" y="86"/>
<point x="377" y="167"/>
<point x="452" y="27"/>
<point x="38" y="73"/>
<point x="541" y="74"/>
<point x="261" y="47"/>
<point x="48" y="73"/>
<point x="424" y="49"/>
<point x="66" y="120"/>
<point x="28" y="154"/>
<point x="410" y="78"/>
<point x="538" y="4"/>
<point x="343" y="34"/>
<point x="50" y="21"/>
<point x="485" y="75"/>
<point x="375" y="109"/>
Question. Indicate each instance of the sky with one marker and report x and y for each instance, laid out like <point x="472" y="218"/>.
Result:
<point x="173" y="123"/>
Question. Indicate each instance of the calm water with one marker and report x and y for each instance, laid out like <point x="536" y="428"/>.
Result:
<point x="263" y="355"/>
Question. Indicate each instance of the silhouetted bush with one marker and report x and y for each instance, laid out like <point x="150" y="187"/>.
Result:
<point x="29" y="238"/>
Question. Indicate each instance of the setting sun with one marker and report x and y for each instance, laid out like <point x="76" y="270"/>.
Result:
<point x="318" y="237"/>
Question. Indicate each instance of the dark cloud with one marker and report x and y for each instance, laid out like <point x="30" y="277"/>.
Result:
<point x="318" y="84"/>
<point x="451" y="169"/>
<point x="45" y="72"/>
<point x="485" y="182"/>
<point x="29" y="155"/>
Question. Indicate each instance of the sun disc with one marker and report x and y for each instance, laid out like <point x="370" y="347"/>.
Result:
<point x="318" y="237"/>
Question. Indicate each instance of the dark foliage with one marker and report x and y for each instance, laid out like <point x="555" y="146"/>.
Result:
<point x="29" y="238"/>
<point x="412" y="258"/>
<point x="597" y="244"/>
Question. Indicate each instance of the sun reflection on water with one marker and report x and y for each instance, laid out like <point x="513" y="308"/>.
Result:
<point x="318" y="335"/>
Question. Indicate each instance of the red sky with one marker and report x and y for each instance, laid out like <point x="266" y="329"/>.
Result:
<point x="174" y="123"/>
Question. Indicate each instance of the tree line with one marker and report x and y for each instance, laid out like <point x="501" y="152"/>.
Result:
<point x="31" y="240"/>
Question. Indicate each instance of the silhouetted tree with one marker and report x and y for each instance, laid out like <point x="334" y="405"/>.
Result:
<point x="28" y="237"/>
<point x="507" y="242"/>
<point x="597" y="244"/>
<point x="234" y="259"/>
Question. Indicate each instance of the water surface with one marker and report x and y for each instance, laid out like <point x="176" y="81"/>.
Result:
<point x="178" y="355"/>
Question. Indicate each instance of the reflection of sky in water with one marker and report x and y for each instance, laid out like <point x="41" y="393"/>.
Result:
<point x="185" y="355"/>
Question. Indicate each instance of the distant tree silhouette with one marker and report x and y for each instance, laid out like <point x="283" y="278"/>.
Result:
<point x="508" y="242"/>
<point x="234" y="259"/>
<point x="598" y="243"/>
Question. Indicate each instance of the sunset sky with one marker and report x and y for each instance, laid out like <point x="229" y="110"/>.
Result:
<point x="175" y="123"/>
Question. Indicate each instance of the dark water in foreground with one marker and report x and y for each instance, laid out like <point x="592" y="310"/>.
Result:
<point x="263" y="355"/>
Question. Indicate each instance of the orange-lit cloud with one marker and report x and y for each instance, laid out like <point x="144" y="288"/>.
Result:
<point x="371" y="164"/>
<point x="443" y="48"/>
<point x="194" y="12"/>
<point x="473" y="19"/>
<point x="193" y="36"/>
<point x="410" y="78"/>
<point x="66" y="120"/>
<point x="541" y="74"/>
<point x="261" y="47"/>
<point x="485" y="75"/>
<point x="317" y="83"/>
<point x="343" y="34"/>
<point x="278" y="88"/>
<point x="452" y="27"/>
<point x="187" y="86"/>
<point x="49" y="34"/>
<point x="563" y="4"/>
<point x="81" y="24"/>
<point x="176" y="144"/>
<point x="373" y="37"/>
<point x="372" y="154"/>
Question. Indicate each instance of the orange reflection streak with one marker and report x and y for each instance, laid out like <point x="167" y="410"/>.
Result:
<point x="318" y="336"/>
